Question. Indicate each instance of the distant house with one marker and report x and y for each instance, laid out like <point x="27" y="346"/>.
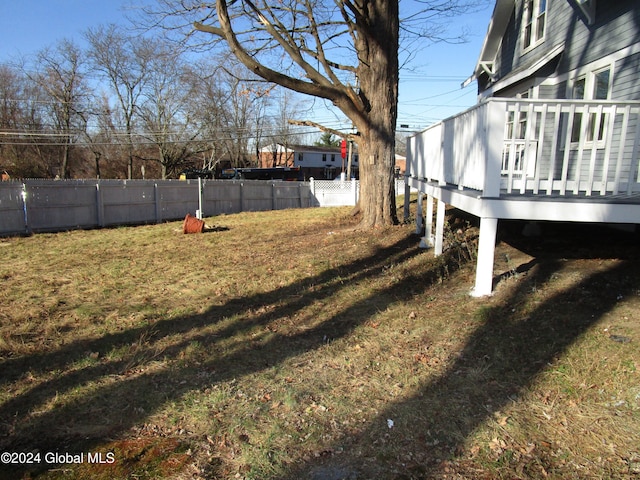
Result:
<point x="314" y="161"/>
<point x="556" y="132"/>
<point x="401" y="165"/>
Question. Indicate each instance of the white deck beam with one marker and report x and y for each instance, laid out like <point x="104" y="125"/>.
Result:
<point x="593" y="209"/>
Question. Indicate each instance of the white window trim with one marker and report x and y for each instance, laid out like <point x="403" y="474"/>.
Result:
<point x="518" y="124"/>
<point x="589" y="75"/>
<point x="534" y="27"/>
<point x="609" y="60"/>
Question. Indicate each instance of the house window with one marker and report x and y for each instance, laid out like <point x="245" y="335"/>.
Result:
<point x="515" y="134"/>
<point x="324" y="157"/>
<point x="593" y="86"/>
<point x="333" y="157"/>
<point x="533" y="22"/>
<point x="300" y="157"/>
<point x="517" y="126"/>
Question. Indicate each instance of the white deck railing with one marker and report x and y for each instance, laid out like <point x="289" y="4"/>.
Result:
<point x="560" y="147"/>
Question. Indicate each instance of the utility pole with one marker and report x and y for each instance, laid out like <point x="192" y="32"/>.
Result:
<point x="349" y="160"/>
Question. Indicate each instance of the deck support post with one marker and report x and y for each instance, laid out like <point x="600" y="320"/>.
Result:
<point x="419" y="213"/>
<point x="486" y="252"/>
<point x="439" y="240"/>
<point x="428" y="240"/>
<point x="407" y="195"/>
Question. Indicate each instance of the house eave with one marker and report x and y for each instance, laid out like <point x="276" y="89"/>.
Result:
<point x="524" y="73"/>
<point x="497" y="27"/>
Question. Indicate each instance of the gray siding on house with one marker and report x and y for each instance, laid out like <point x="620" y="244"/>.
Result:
<point x="571" y="49"/>
<point x="626" y="78"/>
<point x="553" y="91"/>
<point x="506" y="58"/>
<point x="510" y="56"/>
<point x="617" y="26"/>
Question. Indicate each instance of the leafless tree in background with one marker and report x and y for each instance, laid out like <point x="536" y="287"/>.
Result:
<point x="344" y="51"/>
<point x="164" y="112"/>
<point x="124" y="61"/>
<point x="228" y="110"/>
<point x="60" y="72"/>
<point x="20" y="113"/>
<point x="283" y="132"/>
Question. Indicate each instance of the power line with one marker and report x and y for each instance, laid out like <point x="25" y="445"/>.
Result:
<point x="146" y="141"/>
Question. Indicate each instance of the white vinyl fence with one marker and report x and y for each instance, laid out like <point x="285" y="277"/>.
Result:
<point x="56" y="205"/>
<point x="333" y="193"/>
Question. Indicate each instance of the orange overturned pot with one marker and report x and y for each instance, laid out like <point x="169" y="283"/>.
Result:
<point x="192" y="224"/>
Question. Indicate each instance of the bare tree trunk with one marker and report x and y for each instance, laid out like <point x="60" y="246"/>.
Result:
<point x="64" y="164"/>
<point x="97" y="156"/>
<point x="377" y="190"/>
<point x="129" y="157"/>
<point x="163" y="163"/>
<point x="378" y="76"/>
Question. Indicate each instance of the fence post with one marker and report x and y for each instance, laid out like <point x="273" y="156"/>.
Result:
<point x="300" y="190"/>
<point x="273" y="196"/>
<point x="354" y="189"/>
<point x="407" y="174"/>
<point x="24" y="207"/>
<point x="156" y="198"/>
<point x="407" y="199"/>
<point x="312" y="191"/>
<point x="199" y="213"/>
<point x="99" y="205"/>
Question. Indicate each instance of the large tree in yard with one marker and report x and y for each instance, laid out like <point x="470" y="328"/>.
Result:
<point x="344" y="51"/>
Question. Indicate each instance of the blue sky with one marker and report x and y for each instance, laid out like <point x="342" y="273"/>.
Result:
<point x="27" y="26"/>
<point x="428" y="93"/>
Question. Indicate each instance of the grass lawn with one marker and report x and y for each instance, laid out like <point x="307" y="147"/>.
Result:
<point x="287" y="345"/>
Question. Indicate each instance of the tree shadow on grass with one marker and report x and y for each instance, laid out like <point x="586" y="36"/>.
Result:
<point x="510" y="351"/>
<point x="497" y="365"/>
<point x="126" y="391"/>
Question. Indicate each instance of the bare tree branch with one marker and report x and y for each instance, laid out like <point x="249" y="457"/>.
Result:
<point x="337" y="133"/>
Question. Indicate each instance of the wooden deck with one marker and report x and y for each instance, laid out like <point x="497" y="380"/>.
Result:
<point x="569" y="161"/>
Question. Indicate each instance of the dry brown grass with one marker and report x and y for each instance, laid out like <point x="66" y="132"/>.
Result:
<point x="282" y="344"/>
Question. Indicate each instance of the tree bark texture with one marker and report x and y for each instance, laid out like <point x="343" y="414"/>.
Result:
<point x="377" y="47"/>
